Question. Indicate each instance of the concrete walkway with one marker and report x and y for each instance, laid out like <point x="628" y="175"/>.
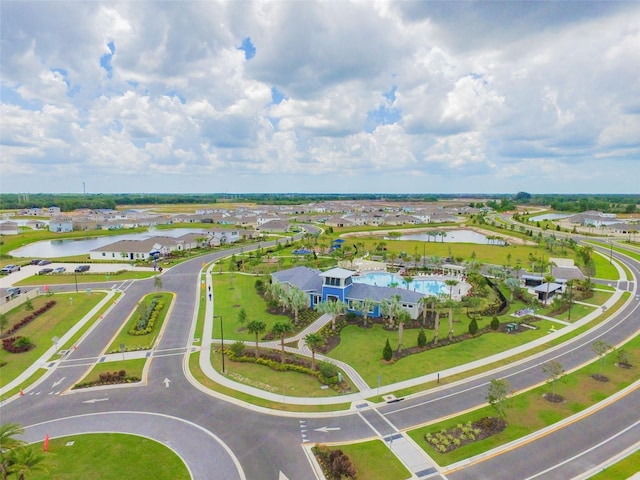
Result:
<point x="45" y="360"/>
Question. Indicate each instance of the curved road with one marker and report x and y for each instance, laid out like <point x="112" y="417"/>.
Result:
<point x="252" y="444"/>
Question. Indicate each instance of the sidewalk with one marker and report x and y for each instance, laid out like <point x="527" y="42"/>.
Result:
<point x="45" y="358"/>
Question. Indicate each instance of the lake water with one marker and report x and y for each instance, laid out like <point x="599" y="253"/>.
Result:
<point x="452" y="236"/>
<point x="82" y="246"/>
<point x="385" y="279"/>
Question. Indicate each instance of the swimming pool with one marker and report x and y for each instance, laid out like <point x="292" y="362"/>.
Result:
<point x="386" y="279"/>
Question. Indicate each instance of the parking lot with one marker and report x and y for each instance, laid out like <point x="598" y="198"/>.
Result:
<point x="7" y="281"/>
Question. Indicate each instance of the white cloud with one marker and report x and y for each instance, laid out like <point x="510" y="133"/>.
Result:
<point x="463" y="95"/>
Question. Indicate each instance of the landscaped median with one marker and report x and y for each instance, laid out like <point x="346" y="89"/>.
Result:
<point x="55" y="322"/>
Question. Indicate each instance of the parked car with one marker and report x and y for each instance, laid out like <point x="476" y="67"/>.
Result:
<point x="35" y="261"/>
<point x="44" y="262"/>
<point x="13" y="291"/>
<point x="44" y="271"/>
<point x="10" y="269"/>
<point x="59" y="270"/>
<point x="82" y="268"/>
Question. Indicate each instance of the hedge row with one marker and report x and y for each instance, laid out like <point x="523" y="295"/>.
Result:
<point x="29" y="318"/>
<point x="147" y="323"/>
<point x="109" y="378"/>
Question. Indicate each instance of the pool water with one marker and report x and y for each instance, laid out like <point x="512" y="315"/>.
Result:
<point x="386" y="279"/>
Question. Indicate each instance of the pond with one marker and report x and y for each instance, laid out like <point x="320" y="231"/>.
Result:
<point x="385" y="279"/>
<point x="82" y="246"/>
<point x="451" y="236"/>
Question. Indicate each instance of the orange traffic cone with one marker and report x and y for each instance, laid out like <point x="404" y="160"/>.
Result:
<point x="75" y="347"/>
<point x="21" y="393"/>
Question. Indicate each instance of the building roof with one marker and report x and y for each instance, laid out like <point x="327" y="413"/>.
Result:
<point x="338" y="272"/>
<point x="543" y="288"/>
<point x="304" y="278"/>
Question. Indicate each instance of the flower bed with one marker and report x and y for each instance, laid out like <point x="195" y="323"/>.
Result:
<point x="29" y="318"/>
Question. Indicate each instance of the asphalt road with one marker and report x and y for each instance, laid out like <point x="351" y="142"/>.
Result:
<point x="245" y="443"/>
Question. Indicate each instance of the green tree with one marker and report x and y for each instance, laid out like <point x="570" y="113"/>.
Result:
<point x="333" y="308"/>
<point x="24" y="461"/>
<point x="554" y="372"/>
<point x="28" y="305"/>
<point x="391" y="308"/>
<point x="422" y="338"/>
<point x="513" y="284"/>
<point x="601" y="349"/>
<point x="387" y="353"/>
<point x="473" y="326"/>
<point x="242" y="317"/>
<point x="257" y="327"/>
<point x="8" y="442"/>
<point x="297" y="301"/>
<point x="498" y="396"/>
<point x="314" y="341"/>
<point x="495" y="323"/>
<point x="451" y="283"/>
<point x="281" y="329"/>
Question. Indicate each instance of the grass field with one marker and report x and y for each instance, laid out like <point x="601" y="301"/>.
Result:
<point x="231" y="293"/>
<point x="69" y="309"/>
<point x="109" y="456"/>
<point x="531" y="412"/>
<point x="625" y="468"/>
<point x="362" y="349"/>
<point x="374" y="461"/>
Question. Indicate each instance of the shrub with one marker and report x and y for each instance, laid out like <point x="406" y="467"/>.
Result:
<point x="422" y="338"/>
<point x="327" y="370"/>
<point x="473" y="326"/>
<point x="237" y="348"/>
<point x="495" y="323"/>
<point x="387" y="353"/>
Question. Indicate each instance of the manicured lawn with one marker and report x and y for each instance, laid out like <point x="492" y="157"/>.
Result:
<point x="83" y="278"/>
<point x="532" y="412"/>
<point x="362" y="349"/>
<point x="285" y="407"/>
<point x="231" y="293"/>
<point x="133" y="368"/>
<point x="293" y="384"/>
<point x="374" y="461"/>
<point x="598" y="298"/>
<point x="625" y="468"/>
<point x="141" y="342"/>
<point x="69" y="309"/>
<point x="110" y="456"/>
<point x="604" y="269"/>
<point x="577" y="312"/>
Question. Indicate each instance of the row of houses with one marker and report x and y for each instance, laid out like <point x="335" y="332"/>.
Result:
<point x="140" y="250"/>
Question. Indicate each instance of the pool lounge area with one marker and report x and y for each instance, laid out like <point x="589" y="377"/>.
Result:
<point x="424" y="284"/>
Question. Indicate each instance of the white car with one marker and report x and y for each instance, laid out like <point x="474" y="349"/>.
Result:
<point x="10" y="269"/>
<point x="59" y="270"/>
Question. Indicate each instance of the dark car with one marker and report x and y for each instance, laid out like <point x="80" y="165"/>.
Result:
<point x="13" y="291"/>
<point x="44" y="271"/>
<point x="82" y="268"/>
<point x="35" y="261"/>
<point x="44" y="262"/>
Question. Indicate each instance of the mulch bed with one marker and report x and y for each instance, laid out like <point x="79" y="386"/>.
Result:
<point x="553" y="397"/>
<point x="600" y="378"/>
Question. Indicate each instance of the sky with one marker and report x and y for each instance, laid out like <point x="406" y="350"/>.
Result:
<point x="311" y="96"/>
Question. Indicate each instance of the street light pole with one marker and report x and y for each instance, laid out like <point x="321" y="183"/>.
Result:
<point x="221" y="341"/>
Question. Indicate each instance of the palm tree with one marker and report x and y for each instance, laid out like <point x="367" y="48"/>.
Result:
<point x="439" y="302"/>
<point x="512" y="284"/>
<point x="25" y="460"/>
<point x="426" y="302"/>
<point x="403" y="317"/>
<point x="451" y="305"/>
<point x="314" y="341"/>
<point x="391" y="307"/>
<point x="367" y="306"/>
<point x="281" y="329"/>
<point x="333" y="308"/>
<point x="297" y="301"/>
<point x="257" y="327"/>
<point x="8" y="442"/>
<point x="451" y="283"/>
<point x="548" y="279"/>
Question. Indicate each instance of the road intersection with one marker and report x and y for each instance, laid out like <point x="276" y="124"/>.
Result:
<point x="219" y="437"/>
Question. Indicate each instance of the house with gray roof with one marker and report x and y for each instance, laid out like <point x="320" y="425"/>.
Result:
<point x="337" y="284"/>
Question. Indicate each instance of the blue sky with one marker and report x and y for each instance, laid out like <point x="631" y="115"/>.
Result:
<point x="281" y="96"/>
